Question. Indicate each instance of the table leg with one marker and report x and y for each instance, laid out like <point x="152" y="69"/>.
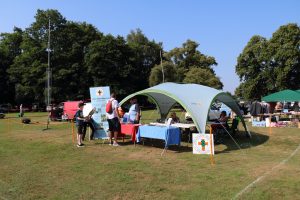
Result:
<point x="165" y="149"/>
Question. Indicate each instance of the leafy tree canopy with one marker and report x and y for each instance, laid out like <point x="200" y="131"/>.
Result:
<point x="267" y="66"/>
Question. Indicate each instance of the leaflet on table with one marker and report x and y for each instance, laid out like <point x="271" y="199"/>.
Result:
<point x="99" y="98"/>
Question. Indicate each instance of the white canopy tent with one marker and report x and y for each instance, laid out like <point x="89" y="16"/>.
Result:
<point x="195" y="99"/>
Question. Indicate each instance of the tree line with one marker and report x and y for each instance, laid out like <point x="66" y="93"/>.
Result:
<point x="82" y="56"/>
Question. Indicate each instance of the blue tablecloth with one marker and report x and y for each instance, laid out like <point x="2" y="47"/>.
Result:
<point x="170" y="134"/>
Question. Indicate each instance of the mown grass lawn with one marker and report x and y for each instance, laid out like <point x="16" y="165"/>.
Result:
<point x="45" y="164"/>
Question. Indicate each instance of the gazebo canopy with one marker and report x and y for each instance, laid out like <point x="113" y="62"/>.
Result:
<point x="284" y="95"/>
<point x="195" y="99"/>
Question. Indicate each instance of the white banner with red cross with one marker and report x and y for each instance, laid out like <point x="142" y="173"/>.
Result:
<point x="203" y="144"/>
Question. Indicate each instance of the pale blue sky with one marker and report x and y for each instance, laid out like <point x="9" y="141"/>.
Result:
<point x="222" y="28"/>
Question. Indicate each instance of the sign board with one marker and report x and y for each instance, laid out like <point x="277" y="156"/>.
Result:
<point x="259" y="124"/>
<point x="99" y="98"/>
<point x="203" y="144"/>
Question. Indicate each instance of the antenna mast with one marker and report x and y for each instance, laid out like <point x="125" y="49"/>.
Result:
<point x="48" y="100"/>
<point x="162" y="68"/>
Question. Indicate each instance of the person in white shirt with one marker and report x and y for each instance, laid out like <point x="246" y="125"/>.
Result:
<point x="113" y="120"/>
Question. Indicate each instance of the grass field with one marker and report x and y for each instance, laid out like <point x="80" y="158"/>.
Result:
<point x="37" y="164"/>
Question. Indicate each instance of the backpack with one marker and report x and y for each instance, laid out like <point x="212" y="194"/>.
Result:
<point x="109" y="109"/>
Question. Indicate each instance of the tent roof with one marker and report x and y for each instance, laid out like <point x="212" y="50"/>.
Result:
<point x="284" y="95"/>
<point x="194" y="98"/>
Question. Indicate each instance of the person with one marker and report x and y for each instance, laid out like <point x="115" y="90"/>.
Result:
<point x="255" y="108"/>
<point x="88" y="122"/>
<point x="113" y="120"/>
<point x="21" y="111"/>
<point x="79" y="124"/>
<point x="278" y="107"/>
<point x="175" y="119"/>
<point x="295" y="107"/>
<point x="222" y="121"/>
<point x="188" y="117"/>
<point x="134" y="111"/>
<point x="265" y="107"/>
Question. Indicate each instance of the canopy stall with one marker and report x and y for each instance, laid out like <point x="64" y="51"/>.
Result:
<point x="195" y="99"/>
<point x="284" y="95"/>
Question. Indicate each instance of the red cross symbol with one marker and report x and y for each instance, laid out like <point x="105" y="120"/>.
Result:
<point x="203" y="144"/>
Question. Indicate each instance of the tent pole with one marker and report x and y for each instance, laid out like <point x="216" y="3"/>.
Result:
<point x="212" y="161"/>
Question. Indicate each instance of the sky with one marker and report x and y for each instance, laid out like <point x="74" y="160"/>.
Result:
<point x="222" y="28"/>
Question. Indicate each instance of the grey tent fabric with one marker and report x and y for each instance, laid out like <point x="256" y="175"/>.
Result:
<point x="194" y="98"/>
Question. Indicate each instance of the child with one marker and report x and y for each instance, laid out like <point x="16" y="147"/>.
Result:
<point x="79" y="124"/>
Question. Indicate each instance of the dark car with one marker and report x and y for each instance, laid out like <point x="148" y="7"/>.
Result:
<point x="5" y="108"/>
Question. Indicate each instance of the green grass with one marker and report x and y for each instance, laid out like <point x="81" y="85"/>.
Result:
<point x="37" y="164"/>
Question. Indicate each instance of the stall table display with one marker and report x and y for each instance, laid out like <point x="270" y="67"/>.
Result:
<point x="170" y="134"/>
<point x="130" y="129"/>
<point x="178" y="125"/>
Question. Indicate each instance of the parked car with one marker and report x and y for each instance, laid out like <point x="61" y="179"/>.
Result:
<point x="5" y="108"/>
<point x="214" y="113"/>
<point x="226" y="109"/>
<point x="2" y="115"/>
<point x="55" y="112"/>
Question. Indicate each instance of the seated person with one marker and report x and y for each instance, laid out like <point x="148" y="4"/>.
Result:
<point x="295" y="107"/>
<point x="278" y="107"/>
<point x="188" y="117"/>
<point x="222" y="120"/>
<point x="175" y="119"/>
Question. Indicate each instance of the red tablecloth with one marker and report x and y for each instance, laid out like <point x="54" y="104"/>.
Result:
<point x="130" y="129"/>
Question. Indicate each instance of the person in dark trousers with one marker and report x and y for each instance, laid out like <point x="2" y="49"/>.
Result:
<point x="113" y="120"/>
<point x="80" y="124"/>
<point x="255" y="108"/>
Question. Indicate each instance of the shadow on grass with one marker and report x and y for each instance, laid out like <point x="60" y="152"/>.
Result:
<point x="242" y="142"/>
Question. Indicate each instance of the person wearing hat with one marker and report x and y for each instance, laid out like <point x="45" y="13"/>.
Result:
<point x="79" y="124"/>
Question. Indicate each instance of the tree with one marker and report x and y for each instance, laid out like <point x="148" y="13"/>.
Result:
<point x="29" y="68"/>
<point x="69" y="43"/>
<point x="170" y="74"/>
<point x="107" y="63"/>
<point x="284" y="58"/>
<point x="188" y="56"/>
<point x="9" y="49"/>
<point x="68" y="61"/>
<point x="203" y="77"/>
<point x="251" y="63"/>
<point x="183" y="62"/>
<point x="267" y="66"/>
<point x="145" y="55"/>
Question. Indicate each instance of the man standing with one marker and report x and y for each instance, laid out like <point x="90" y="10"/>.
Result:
<point x="113" y="119"/>
<point x="21" y="111"/>
<point x="134" y="111"/>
